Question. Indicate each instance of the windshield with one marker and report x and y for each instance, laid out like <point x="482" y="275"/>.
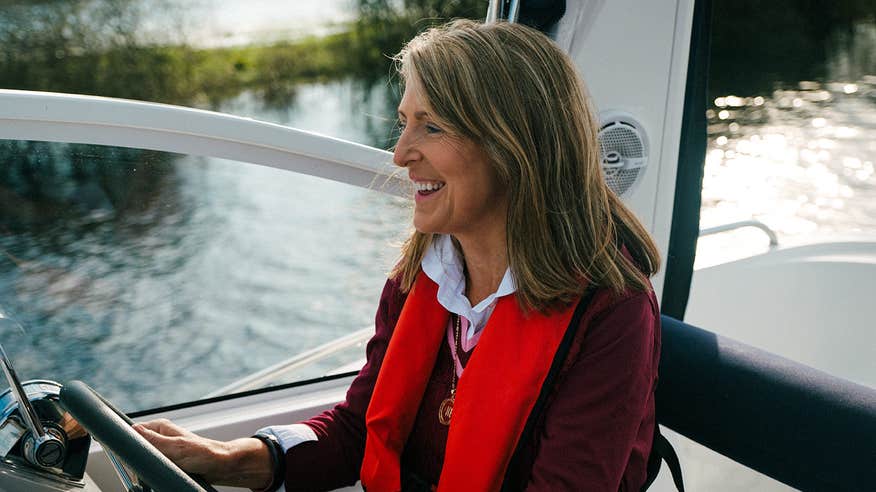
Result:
<point x="159" y="278"/>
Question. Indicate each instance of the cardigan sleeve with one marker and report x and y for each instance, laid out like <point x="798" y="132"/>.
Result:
<point x="597" y="430"/>
<point x="334" y="459"/>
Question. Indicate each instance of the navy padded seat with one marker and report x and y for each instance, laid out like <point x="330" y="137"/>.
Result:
<point x="796" y="424"/>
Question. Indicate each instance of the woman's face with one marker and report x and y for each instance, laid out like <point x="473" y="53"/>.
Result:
<point x="456" y="189"/>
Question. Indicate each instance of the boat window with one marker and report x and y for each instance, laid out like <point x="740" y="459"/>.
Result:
<point x="161" y="278"/>
<point x="790" y="152"/>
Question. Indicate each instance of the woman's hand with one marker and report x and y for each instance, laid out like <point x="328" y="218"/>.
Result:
<point x="238" y="463"/>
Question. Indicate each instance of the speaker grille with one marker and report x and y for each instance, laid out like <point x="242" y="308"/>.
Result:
<point x="623" y="153"/>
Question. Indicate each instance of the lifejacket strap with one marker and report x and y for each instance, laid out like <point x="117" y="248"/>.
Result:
<point x="662" y="450"/>
<point x="514" y="477"/>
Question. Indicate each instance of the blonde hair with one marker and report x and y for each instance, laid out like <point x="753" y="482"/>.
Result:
<point x="512" y="91"/>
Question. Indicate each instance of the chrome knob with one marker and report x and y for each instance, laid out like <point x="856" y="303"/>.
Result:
<point x="38" y="437"/>
<point x="41" y="447"/>
<point x="47" y="451"/>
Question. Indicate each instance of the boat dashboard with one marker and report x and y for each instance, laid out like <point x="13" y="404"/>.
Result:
<point x="46" y="431"/>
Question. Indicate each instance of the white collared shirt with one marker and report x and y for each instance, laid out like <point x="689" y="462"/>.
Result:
<point x="444" y="265"/>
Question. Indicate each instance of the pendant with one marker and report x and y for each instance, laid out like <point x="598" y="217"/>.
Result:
<point x="445" y="411"/>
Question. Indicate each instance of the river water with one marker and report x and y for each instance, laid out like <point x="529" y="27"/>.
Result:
<point x="801" y="160"/>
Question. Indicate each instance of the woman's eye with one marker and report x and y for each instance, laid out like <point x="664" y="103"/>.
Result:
<point x="430" y="128"/>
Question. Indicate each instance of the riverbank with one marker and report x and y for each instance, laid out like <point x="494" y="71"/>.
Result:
<point x="63" y="48"/>
<point x="181" y="74"/>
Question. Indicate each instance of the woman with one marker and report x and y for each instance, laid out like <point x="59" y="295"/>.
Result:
<point x="520" y="252"/>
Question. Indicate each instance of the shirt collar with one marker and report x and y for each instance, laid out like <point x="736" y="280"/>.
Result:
<point x="443" y="263"/>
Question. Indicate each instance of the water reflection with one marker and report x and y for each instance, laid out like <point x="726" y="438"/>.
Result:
<point x="349" y="109"/>
<point x="121" y="262"/>
<point x="42" y="183"/>
<point x="800" y="160"/>
<point x="243" y="267"/>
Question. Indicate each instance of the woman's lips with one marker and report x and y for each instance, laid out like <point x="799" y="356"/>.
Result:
<point x="420" y="195"/>
<point x="424" y="189"/>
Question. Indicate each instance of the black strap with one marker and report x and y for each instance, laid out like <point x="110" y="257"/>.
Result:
<point x="278" y="461"/>
<point x="662" y="450"/>
<point x="513" y="477"/>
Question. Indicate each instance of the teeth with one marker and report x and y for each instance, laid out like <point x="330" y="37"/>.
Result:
<point x="428" y="186"/>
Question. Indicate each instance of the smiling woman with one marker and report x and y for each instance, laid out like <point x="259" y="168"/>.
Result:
<point x="531" y="161"/>
<point x="458" y="190"/>
<point x="522" y="264"/>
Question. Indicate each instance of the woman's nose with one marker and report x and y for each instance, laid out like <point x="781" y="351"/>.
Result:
<point x="404" y="152"/>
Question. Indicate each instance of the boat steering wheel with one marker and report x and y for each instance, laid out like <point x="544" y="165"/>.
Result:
<point x="113" y="430"/>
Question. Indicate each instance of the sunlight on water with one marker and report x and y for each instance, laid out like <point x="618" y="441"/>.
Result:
<point x="235" y="23"/>
<point x="801" y="161"/>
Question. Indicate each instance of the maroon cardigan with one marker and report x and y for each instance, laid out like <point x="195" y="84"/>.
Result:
<point x="595" y="433"/>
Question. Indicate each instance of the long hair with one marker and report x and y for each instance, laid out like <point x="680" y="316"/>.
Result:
<point x="512" y="91"/>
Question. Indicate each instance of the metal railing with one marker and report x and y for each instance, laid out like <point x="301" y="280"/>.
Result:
<point x="774" y="240"/>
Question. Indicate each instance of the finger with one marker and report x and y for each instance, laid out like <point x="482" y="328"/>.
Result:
<point x="177" y="449"/>
<point x="158" y="440"/>
<point x="165" y="427"/>
<point x="192" y="455"/>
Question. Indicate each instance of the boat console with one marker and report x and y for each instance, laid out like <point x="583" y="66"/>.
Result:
<point x="45" y="437"/>
<point x="42" y="446"/>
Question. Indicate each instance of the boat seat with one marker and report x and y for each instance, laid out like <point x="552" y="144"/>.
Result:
<point x="796" y="424"/>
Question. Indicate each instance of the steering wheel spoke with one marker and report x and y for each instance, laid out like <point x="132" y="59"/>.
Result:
<point x="113" y="430"/>
<point x="124" y="476"/>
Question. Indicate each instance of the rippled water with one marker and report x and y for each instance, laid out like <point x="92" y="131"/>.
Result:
<point x="801" y="161"/>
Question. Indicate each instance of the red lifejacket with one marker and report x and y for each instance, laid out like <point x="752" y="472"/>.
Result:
<point x="494" y="398"/>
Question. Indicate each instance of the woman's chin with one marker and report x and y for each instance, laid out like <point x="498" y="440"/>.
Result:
<point x="425" y="226"/>
<point x="424" y="230"/>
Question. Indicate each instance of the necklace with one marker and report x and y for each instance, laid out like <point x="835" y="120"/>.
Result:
<point x="445" y="411"/>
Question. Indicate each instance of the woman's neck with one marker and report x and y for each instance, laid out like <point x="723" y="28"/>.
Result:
<point x="486" y="260"/>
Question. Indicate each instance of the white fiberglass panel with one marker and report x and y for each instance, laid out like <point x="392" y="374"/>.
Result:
<point x="633" y="57"/>
<point x="45" y="116"/>
<point x="812" y="304"/>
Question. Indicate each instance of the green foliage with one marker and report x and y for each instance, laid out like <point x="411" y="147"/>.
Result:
<point x="89" y="47"/>
<point x="383" y="26"/>
<point x="92" y="47"/>
<point x="757" y="46"/>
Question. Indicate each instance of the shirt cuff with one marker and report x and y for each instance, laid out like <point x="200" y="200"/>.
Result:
<point x="289" y="437"/>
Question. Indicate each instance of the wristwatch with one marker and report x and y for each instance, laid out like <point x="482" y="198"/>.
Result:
<point x="278" y="460"/>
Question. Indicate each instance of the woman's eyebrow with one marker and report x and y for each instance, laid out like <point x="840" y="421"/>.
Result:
<point x="418" y="115"/>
